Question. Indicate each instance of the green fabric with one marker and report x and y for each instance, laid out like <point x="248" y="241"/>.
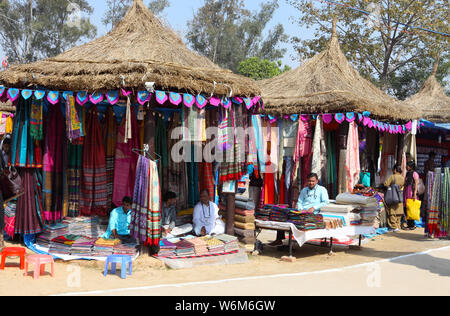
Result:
<point x="331" y="163"/>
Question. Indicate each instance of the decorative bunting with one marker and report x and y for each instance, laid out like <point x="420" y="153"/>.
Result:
<point x="327" y="118"/>
<point x="214" y="101"/>
<point x="66" y="94"/>
<point x="272" y="119"/>
<point x="366" y="113"/>
<point x="2" y="90"/>
<point x="350" y="117"/>
<point x="26" y="94"/>
<point x="248" y="103"/>
<point x="339" y="117"/>
<point x="237" y="100"/>
<point x="126" y="93"/>
<point x="360" y="117"/>
<point x="175" y="98"/>
<point x="96" y="97"/>
<point x="226" y="102"/>
<point x="161" y="97"/>
<point x="408" y="126"/>
<point x="256" y="100"/>
<point x="304" y="117"/>
<point x="294" y="117"/>
<point x="13" y="94"/>
<point x="143" y="97"/>
<point x="53" y="97"/>
<point x="188" y="100"/>
<point x="82" y="97"/>
<point x="112" y="97"/>
<point x="201" y="101"/>
<point x="39" y="94"/>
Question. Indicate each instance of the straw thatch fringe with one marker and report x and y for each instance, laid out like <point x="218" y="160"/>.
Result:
<point x="141" y="49"/>
<point x="327" y="83"/>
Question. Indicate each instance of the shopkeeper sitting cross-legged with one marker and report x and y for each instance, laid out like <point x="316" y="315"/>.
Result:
<point x="119" y="223"/>
<point x="312" y="199"/>
<point x="206" y="217"/>
<point x="169" y="217"/>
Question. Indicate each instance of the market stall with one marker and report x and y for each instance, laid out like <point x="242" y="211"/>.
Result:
<point x="102" y="120"/>
<point x="324" y="118"/>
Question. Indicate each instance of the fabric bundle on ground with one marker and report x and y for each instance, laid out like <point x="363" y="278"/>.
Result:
<point x="199" y="245"/>
<point x="184" y="249"/>
<point x="244" y="219"/>
<point x="83" y="247"/>
<point x="215" y="246"/>
<point x="230" y="242"/>
<point x="251" y="240"/>
<point x="10" y="218"/>
<point x="245" y="226"/>
<point x="129" y="249"/>
<point x="166" y="248"/>
<point x="104" y="248"/>
<point x="244" y="233"/>
<point x="94" y="192"/>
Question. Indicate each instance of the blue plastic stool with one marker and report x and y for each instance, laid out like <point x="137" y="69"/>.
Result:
<point x="124" y="262"/>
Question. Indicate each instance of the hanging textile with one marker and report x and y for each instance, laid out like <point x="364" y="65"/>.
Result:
<point x="331" y="164"/>
<point x="445" y="204"/>
<point x="55" y="165"/>
<point x="303" y="150"/>
<point x="73" y="126"/>
<point x="193" y="180"/>
<point x="74" y="167"/>
<point x="10" y="218"/>
<point x="434" y="210"/>
<point x="195" y="124"/>
<point x="257" y="143"/>
<point x="25" y="151"/>
<point x="125" y="161"/>
<point x="128" y="129"/>
<point x="388" y="154"/>
<point x="352" y="164"/>
<point x="319" y="151"/>
<point x="28" y="220"/>
<point x="288" y="134"/>
<point x="207" y="178"/>
<point x="93" y="199"/>
<point x="146" y="211"/>
<point x="343" y="177"/>
<point x="161" y="149"/>
<point x="110" y="138"/>
<point x="37" y="122"/>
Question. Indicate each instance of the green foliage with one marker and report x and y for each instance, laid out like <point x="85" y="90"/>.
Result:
<point x="227" y="33"/>
<point x="380" y="49"/>
<point x="260" y="69"/>
<point x="31" y="30"/>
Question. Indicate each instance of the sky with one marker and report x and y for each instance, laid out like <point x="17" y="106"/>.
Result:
<point x="181" y="11"/>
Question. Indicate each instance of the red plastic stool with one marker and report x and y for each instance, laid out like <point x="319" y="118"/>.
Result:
<point x="13" y="252"/>
<point x="39" y="262"/>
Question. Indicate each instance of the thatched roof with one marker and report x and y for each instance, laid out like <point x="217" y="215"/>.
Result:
<point x="431" y="101"/>
<point x="327" y="83"/>
<point x="141" y="49"/>
<point x="7" y="107"/>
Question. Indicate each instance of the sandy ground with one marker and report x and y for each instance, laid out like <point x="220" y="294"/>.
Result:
<point x="87" y="276"/>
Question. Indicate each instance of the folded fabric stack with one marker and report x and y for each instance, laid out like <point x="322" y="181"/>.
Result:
<point x="354" y="199"/>
<point x="215" y="246"/>
<point x="199" y="245"/>
<point x="280" y="213"/>
<point x="264" y="213"/>
<point x="126" y="249"/>
<point x="332" y="223"/>
<point x="51" y="232"/>
<point x="104" y="247"/>
<point x="230" y="242"/>
<point x="167" y="248"/>
<point x="305" y="221"/>
<point x="244" y="222"/>
<point x="63" y="244"/>
<point x="368" y="216"/>
<point x="85" y="226"/>
<point x="184" y="249"/>
<point x="354" y="219"/>
<point x="83" y="247"/>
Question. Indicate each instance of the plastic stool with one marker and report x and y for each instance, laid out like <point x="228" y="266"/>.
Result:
<point x="124" y="262"/>
<point x="39" y="262"/>
<point x="13" y="252"/>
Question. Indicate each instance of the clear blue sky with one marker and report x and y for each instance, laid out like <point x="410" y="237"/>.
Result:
<point x="182" y="11"/>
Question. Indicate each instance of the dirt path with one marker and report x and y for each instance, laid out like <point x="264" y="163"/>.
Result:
<point x="82" y="276"/>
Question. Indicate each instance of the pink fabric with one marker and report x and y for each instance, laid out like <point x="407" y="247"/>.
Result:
<point x="352" y="164"/>
<point x="126" y="161"/>
<point x="304" y="141"/>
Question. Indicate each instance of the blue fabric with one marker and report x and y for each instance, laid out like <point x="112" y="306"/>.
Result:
<point x="119" y="221"/>
<point x="315" y="198"/>
<point x="380" y="231"/>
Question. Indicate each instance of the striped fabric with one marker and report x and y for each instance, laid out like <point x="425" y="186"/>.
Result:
<point x="154" y="209"/>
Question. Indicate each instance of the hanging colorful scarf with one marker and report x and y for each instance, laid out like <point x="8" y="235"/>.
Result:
<point x="352" y="164"/>
<point x="161" y="148"/>
<point x="73" y="126"/>
<point x="74" y="166"/>
<point x="55" y="157"/>
<point x="319" y="151"/>
<point x="445" y="204"/>
<point x="36" y="128"/>
<point x="110" y="135"/>
<point x="125" y="160"/>
<point x="128" y="127"/>
<point x="139" y="213"/>
<point x="93" y="199"/>
<point x="154" y="206"/>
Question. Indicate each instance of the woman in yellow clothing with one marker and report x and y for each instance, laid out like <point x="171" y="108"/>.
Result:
<point x="395" y="212"/>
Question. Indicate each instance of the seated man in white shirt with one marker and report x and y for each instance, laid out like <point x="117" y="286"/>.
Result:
<point x="206" y="217"/>
<point x="311" y="199"/>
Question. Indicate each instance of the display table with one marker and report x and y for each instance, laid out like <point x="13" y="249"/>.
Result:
<point x="302" y="237"/>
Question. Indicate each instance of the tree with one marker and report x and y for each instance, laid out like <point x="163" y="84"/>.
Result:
<point x="118" y="8"/>
<point x="260" y="69"/>
<point x="227" y="33"/>
<point x="31" y="30"/>
<point x="383" y="44"/>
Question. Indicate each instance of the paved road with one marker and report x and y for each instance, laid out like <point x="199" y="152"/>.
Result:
<point x="426" y="273"/>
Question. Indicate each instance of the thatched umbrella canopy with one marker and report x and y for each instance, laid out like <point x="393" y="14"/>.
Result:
<point x="431" y="101"/>
<point x="327" y="83"/>
<point x="141" y="49"/>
